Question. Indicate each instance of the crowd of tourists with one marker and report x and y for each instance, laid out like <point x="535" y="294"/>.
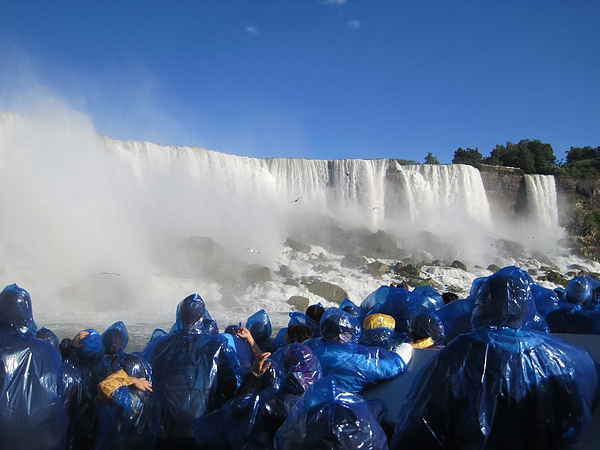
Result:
<point x="499" y="377"/>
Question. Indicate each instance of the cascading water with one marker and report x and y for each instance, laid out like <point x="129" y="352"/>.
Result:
<point x="542" y="203"/>
<point x="432" y="194"/>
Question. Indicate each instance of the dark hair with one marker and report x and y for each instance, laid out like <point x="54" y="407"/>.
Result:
<point x="299" y="333"/>
<point x="315" y="312"/>
<point x="449" y="297"/>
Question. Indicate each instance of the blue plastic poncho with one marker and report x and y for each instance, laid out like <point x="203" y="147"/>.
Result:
<point x="32" y="404"/>
<point x="115" y="338"/>
<point x="193" y="373"/>
<point x="130" y="418"/>
<point x="504" y="295"/>
<point x="584" y="291"/>
<point x="391" y="301"/>
<point x="242" y="349"/>
<point x="456" y="317"/>
<point x="398" y="303"/>
<point x="327" y="417"/>
<point x="251" y="421"/>
<point x="503" y="385"/>
<point x="379" y="331"/>
<point x="350" y="307"/>
<point x="303" y="319"/>
<point x="279" y="339"/>
<point x="354" y="366"/>
<point x="114" y="342"/>
<point x="259" y="326"/>
<point x="88" y="360"/>
<point x="427" y="325"/>
<point x="48" y="335"/>
<point x="546" y="300"/>
<point x="430" y="299"/>
<point x="476" y="285"/>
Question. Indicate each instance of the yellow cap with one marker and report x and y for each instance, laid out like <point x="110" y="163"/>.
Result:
<point x="379" y="321"/>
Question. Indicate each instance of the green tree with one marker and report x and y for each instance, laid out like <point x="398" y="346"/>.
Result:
<point x="583" y="162"/>
<point x="430" y="159"/>
<point x="529" y="156"/>
<point x="582" y="153"/>
<point x="469" y="156"/>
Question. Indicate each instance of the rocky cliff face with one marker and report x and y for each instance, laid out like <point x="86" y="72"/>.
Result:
<point x="505" y="189"/>
<point x="578" y="199"/>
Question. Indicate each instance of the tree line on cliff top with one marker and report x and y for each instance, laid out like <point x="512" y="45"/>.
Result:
<point x="532" y="157"/>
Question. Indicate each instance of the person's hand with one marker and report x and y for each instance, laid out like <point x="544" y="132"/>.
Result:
<point x="244" y="333"/>
<point x="142" y="384"/>
<point x="261" y="365"/>
<point x="76" y="341"/>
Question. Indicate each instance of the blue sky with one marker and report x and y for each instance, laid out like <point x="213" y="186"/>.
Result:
<point x="313" y="79"/>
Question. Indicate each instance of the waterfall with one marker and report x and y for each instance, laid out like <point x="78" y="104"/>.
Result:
<point x="441" y="198"/>
<point x="542" y="201"/>
<point x="77" y="203"/>
<point x="351" y="190"/>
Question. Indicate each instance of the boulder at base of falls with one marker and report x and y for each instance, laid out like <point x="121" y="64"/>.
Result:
<point x="285" y="271"/>
<point x="99" y="292"/>
<point x="299" y="302"/>
<point x="421" y="258"/>
<point x="377" y="269"/>
<point x="381" y="245"/>
<point x="328" y="291"/>
<point x="514" y="249"/>
<point x="202" y="257"/>
<point x="353" y="261"/>
<point x="459" y="265"/>
<point x="257" y="275"/>
<point x="408" y="271"/>
<point x="298" y="246"/>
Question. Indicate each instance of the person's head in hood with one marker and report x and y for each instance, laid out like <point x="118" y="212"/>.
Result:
<point x="300" y="368"/>
<point x="190" y="313"/>
<point x="315" y="312"/>
<point x="350" y="307"/>
<point x="580" y="290"/>
<point x="505" y="300"/>
<point x="259" y="325"/>
<point x="427" y="326"/>
<point x="339" y="327"/>
<point x="115" y="338"/>
<point x="16" y="313"/>
<point x="48" y="335"/>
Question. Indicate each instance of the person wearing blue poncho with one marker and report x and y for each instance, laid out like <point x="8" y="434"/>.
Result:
<point x="259" y="325"/>
<point x="85" y="352"/>
<point x="251" y="419"/>
<point x="127" y="412"/>
<point x="352" y="365"/>
<point x="503" y="385"/>
<point x="579" y="313"/>
<point x="33" y="390"/>
<point x="329" y="418"/>
<point x="193" y="373"/>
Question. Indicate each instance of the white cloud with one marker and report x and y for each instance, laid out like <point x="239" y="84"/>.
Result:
<point x="353" y="24"/>
<point x="251" y="30"/>
<point x="333" y="2"/>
